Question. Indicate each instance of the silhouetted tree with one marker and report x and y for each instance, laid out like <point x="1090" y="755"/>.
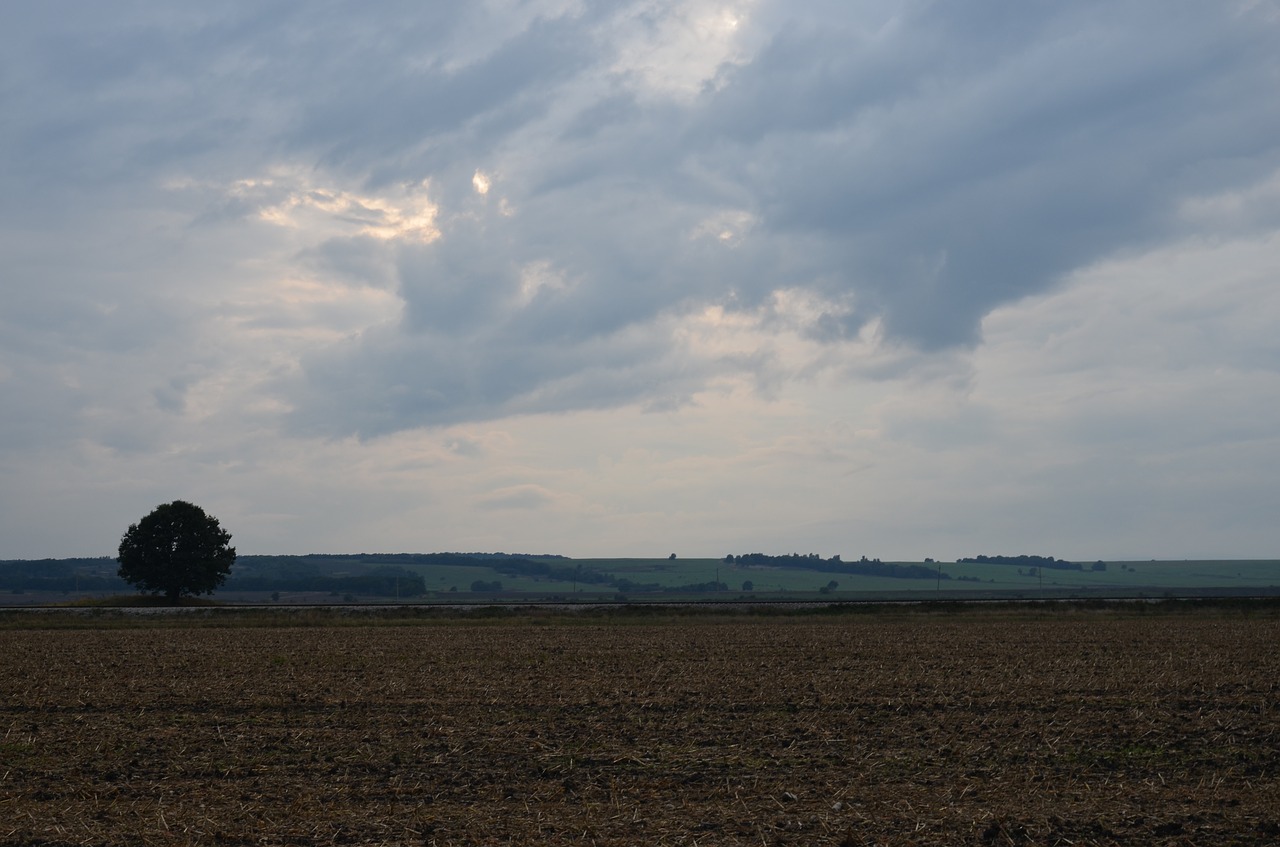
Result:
<point x="176" y="550"/>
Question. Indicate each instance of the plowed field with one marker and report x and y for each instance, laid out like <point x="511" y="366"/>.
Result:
<point x="1070" y="728"/>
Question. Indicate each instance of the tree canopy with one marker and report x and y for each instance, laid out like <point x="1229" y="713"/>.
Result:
<point x="177" y="550"/>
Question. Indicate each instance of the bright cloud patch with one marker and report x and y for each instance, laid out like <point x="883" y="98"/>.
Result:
<point x="406" y="214"/>
<point x="677" y="48"/>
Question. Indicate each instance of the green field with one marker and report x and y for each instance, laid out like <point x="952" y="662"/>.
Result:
<point x="1260" y="573"/>
<point x="666" y="579"/>
<point x="965" y="579"/>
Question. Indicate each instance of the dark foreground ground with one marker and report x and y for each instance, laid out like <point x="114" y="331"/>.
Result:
<point x="903" y="728"/>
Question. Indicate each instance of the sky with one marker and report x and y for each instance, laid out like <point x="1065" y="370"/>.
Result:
<point x="898" y="279"/>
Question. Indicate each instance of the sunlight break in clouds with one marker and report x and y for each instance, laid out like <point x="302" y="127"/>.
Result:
<point x="291" y="200"/>
<point x="729" y="226"/>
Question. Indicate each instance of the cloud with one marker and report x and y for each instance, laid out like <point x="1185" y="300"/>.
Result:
<point x="944" y="168"/>
<point x="916" y="170"/>
<point x="239" y="235"/>
<point x="516" y="497"/>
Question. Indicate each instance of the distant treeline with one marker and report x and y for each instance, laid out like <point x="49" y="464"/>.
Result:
<point x="576" y="573"/>
<point x="519" y="566"/>
<point x="370" y="574"/>
<point x="1029" y="561"/>
<point x="386" y="581"/>
<point x="329" y="560"/>
<point x="814" y="562"/>
<point x="250" y="573"/>
<point x="386" y="574"/>
<point x="378" y="574"/>
<point x="96" y="574"/>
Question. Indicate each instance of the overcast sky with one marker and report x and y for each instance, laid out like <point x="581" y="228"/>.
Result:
<point x="892" y="278"/>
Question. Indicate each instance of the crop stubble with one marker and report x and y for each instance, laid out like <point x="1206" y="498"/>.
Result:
<point x="1061" y="729"/>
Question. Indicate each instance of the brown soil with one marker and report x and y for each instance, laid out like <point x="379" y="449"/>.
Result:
<point x="1089" y="728"/>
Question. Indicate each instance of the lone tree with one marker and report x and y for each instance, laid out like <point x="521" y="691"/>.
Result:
<point x="176" y="550"/>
